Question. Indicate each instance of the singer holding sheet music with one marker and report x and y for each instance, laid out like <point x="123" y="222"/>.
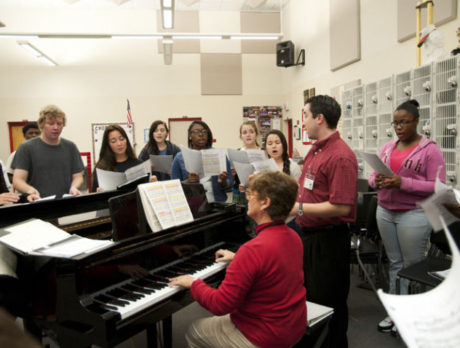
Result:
<point x="116" y="153"/>
<point x="403" y="226"/>
<point x="48" y="165"/>
<point x="200" y="138"/>
<point x="158" y="145"/>
<point x="261" y="301"/>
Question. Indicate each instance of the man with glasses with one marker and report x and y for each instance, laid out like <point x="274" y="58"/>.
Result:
<point x="326" y="203"/>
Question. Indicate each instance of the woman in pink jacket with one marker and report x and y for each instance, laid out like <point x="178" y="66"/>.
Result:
<point x="403" y="226"/>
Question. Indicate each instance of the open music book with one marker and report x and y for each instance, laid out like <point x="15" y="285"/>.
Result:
<point x="37" y="237"/>
<point x="206" y="162"/>
<point x="164" y="204"/>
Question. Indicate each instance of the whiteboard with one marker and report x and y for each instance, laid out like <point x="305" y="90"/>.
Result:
<point x="97" y="131"/>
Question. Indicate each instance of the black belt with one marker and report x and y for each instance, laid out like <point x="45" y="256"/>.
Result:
<point x="319" y="229"/>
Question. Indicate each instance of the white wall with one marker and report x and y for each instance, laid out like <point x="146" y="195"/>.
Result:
<point x="306" y="23"/>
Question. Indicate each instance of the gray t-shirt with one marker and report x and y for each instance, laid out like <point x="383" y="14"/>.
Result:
<point x="50" y="167"/>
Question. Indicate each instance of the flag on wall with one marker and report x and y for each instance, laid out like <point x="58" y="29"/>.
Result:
<point x="128" y="115"/>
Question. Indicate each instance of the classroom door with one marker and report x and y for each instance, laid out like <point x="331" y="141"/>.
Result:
<point x="178" y="128"/>
<point x="16" y="136"/>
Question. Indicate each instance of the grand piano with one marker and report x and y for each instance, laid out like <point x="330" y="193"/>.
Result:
<point x="105" y="297"/>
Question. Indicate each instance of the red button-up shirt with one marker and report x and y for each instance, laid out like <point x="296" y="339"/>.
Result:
<point x="332" y="166"/>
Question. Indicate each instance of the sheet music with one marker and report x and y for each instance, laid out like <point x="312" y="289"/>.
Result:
<point x="47" y="198"/>
<point x="109" y="180"/>
<point x="256" y="155"/>
<point x="376" y="163"/>
<point x="75" y="245"/>
<point x="244" y="170"/>
<point x="237" y="156"/>
<point x="431" y="319"/>
<point x="192" y="160"/>
<point x="178" y="201"/>
<point x="137" y="171"/>
<point x="32" y="235"/>
<point x="158" y="199"/>
<point x="149" y="212"/>
<point x="161" y="163"/>
<point x="268" y="164"/>
<point x="433" y="205"/>
<point x="213" y="161"/>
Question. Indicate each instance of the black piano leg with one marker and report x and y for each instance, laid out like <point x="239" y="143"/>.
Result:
<point x="152" y="336"/>
<point x="167" y="332"/>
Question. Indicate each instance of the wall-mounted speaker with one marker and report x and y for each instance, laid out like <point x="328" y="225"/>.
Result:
<point x="285" y="53"/>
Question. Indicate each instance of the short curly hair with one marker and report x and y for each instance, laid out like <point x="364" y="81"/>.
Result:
<point x="280" y="188"/>
<point x="52" y="112"/>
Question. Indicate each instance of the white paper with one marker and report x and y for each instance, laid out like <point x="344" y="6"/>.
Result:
<point x="376" y="163"/>
<point x="75" y="245"/>
<point x="192" y="160"/>
<point x="431" y="319"/>
<point x="434" y="208"/>
<point x="256" y="155"/>
<point x="32" y="235"/>
<point x="138" y="171"/>
<point x="47" y="198"/>
<point x="268" y="164"/>
<point x="213" y="161"/>
<point x="109" y="180"/>
<point x="237" y="156"/>
<point x="161" y="163"/>
<point x="316" y="312"/>
<point x="244" y="170"/>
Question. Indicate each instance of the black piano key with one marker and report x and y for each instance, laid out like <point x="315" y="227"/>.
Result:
<point x="148" y="284"/>
<point x="165" y="273"/>
<point x="117" y="302"/>
<point x="109" y="307"/>
<point x="103" y="298"/>
<point x="137" y="289"/>
<point x="132" y="296"/>
<point x="158" y="280"/>
<point x="117" y="292"/>
<point x="99" y="309"/>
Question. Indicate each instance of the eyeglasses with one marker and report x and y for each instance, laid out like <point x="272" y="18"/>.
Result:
<point x="198" y="131"/>
<point x="401" y="123"/>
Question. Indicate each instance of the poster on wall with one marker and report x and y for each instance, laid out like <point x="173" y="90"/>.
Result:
<point x="305" y="139"/>
<point x="97" y="131"/>
<point x="266" y="117"/>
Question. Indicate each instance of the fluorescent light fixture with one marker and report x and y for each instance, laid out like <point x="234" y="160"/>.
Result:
<point x="254" y="37"/>
<point x="74" y="36"/>
<point x="140" y="36"/>
<point x="20" y="36"/>
<point x="36" y="53"/>
<point x="167" y="3"/>
<point x="197" y="36"/>
<point x="167" y="18"/>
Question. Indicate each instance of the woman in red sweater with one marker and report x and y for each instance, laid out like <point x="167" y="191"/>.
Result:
<point x="261" y="301"/>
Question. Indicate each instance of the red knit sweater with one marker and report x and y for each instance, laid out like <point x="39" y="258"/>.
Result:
<point x="263" y="288"/>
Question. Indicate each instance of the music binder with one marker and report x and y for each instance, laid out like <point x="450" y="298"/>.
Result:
<point x="165" y="204"/>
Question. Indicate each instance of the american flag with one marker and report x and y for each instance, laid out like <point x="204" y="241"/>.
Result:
<point x="128" y="115"/>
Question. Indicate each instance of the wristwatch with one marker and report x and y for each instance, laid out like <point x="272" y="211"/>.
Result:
<point x="300" y="212"/>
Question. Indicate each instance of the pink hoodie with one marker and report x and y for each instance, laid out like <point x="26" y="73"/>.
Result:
<point x="418" y="174"/>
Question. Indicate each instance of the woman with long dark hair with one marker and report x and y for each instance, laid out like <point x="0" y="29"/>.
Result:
<point x="116" y="155"/>
<point x="200" y="138"/>
<point x="275" y="145"/>
<point x="158" y="145"/>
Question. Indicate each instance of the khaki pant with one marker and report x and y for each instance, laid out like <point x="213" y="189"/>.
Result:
<point x="216" y="332"/>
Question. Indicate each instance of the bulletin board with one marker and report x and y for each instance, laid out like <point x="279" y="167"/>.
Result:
<point x="266" y="117"/>
<point x="97" y="131"/>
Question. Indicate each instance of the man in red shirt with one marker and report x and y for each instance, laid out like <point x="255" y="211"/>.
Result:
<point x="326" y="203"/>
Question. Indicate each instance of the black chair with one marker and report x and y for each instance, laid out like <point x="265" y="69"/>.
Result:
<point x="368" y="249"/>
<point x="437" y="259"/>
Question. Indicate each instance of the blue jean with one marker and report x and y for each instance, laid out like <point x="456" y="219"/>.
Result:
<point x="405" y="237"/>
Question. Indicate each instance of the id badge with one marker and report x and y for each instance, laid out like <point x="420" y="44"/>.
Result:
<point x="309" y="181"/>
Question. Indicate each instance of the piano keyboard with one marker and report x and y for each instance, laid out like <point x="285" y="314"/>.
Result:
<point x="134" y="295"/>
